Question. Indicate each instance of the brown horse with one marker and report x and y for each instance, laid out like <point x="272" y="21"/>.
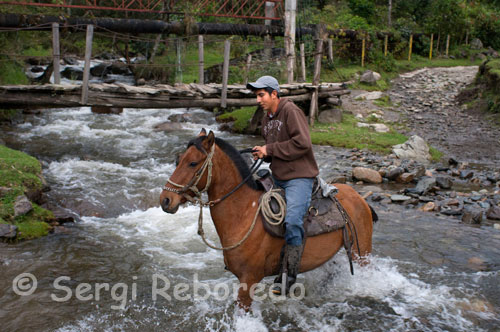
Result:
<point x="258" y="256"/>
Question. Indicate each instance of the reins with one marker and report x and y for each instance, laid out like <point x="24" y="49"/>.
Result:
<point x="192" y="186"/>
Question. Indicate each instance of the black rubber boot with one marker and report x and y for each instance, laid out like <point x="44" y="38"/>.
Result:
<point x="289" y="269"/>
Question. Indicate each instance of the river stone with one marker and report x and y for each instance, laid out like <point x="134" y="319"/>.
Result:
<point x="444" y="182"/>
<point x="119" y="68"/>
<point x="424" y="185"/>
<point x="370" y="77"/>
<point x="330" y="116"/>
<point x="70" y="61"/>
<point x="476" y="44"/>
<point x="167" y="126"/>
<point x="394" y="173"/>
<point x="399" y="198"/>
<point x="429" y="206"/>
<point x="493" y="213"/>
<point x="338" y="179"/>
<point x="22" y="206"/>
<point x="472" y="216"/>
<point x="414" y="148"/>
<point x="370" y="95"/>
<point x="496" y="226"/>
<point x="405" y="178"/>
<point x="106" y="110"/>
<point x="8" y="231"/>
<point x="366" y="175"/>
<point x="72" y="73"/>
<point x="100" y="70"/>
<point x="466" y="174"/>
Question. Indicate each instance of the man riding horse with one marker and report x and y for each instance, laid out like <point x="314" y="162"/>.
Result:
<point x="289" y="149"/>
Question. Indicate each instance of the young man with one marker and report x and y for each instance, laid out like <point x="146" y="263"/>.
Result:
<point x="288" y="146"/>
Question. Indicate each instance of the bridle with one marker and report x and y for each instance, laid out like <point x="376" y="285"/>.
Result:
<point x="192" y="186"/>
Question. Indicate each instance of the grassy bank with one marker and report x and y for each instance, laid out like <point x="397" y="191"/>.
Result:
<point x="20" y="174"/>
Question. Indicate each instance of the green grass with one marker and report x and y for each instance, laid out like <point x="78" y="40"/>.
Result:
<point x="20" y="172"/>
<point x="384" y="101"/>
<point x="436" y="155"/>
<point x="347" y="135"/>
<point x="241" y="117"/>
<point x="12" y="73"/>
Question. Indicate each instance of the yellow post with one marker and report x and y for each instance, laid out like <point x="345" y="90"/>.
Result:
<point x="363" y="52"/>
<point x="430" y="48"/>
<point x="386" y="41"/>
<point x="411" y="44"/>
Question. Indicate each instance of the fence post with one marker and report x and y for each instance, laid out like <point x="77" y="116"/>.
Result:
<point x="330" y="50"/>
<point x="467" y="37"/>
<point x="225" y="73"/>
<point x="303" y="61"/>
<point x="430" y="48"/>
<point x="411" y="45"/>
<point x="247" y="71"/>
<point x="386" y="41"/>
<point x="56" y="56"/>
<point x="447" y="44"/>
<point x="363" y="45"/>
<point x="86" y="69"/>
<point x="317" y="72"/>
<point x="201" y="57"/>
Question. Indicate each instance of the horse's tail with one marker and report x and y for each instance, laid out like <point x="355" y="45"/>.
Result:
<point x="374" y="214"/>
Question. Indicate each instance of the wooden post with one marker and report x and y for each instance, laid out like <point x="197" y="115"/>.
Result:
<point x="201" y="57"/>
<point x="303" y="61"/>
<point x="467" y="37"/>
<point x="447" y="44"/>
<point x="86" y="69"/>
<point x="437" y="43"/>
<point x="363" y="45"/>
<point x="178" y="67"/>
<point x="247" y="69"/>
<point x="56" y="56"/>
<point x="411" y="45"/>
<point x="268" y="39"/>
<point x="430" y="48"/>
<point x="225" y="73"/>
<point x="317" y="72"/>
<point x="386" y="41"/>
<point x="290" y="14"/>
<point x="330" y="50"/>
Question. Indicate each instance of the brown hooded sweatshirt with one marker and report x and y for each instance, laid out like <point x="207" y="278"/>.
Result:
<point x="288" y="142"/>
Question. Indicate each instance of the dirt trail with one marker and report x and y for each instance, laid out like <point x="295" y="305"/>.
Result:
<point x="425" y="101"/>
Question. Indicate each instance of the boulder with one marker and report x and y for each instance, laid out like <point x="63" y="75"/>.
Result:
<point x="330" y="116"/>
<point x="444" y="182"/>
<point x="106" y="110"/>
<point x="394" y="173"/>
<point x="414" y="148"/>
<point x="22" y="206"/>
<point x="70" y="61"/>
<point x="493" y="212"/>
<point x="72" y="73"/>
<point x="366" y="175"/>
<point x="8" y="231"/>
<point x="476" y="44"/>
<point x="100" y="70"/>
<point x="370" y="95"/>
<point x="119" y="68"/>
<point x="370" y="77"/>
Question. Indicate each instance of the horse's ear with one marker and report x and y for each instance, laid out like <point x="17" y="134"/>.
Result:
<point x="210" y="139"/>
<point x="203" y="132"/>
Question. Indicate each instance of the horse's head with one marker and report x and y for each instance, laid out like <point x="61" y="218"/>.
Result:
<point x="190" y="175"/>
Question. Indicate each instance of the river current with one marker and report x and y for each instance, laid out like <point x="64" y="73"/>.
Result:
<point x="118" y="268"/>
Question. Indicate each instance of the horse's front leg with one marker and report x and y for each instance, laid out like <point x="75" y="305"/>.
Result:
<point x="248" y="286"/>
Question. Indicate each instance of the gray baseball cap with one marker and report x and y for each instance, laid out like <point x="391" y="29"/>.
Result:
<point x="264" y="82"/>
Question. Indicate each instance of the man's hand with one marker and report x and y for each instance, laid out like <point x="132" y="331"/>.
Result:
<point x="260" y="152"/>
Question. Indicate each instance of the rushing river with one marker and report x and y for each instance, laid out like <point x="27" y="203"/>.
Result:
<point x="117" y="268"/>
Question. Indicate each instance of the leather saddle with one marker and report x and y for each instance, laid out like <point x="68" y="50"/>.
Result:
<point x="323" y="215"/>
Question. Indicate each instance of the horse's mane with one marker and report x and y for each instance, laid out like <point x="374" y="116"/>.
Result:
<point x="232" y="153"/>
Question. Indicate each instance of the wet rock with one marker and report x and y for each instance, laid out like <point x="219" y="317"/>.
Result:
<point x="70" y="61"/>
<point x="63" y="216"/>
<point x="141" y="81"/>
<point x="100" y="70"/>
<point x="394" y="173"/>
<point x="425" y="185"/>
<point x="452" y="162"/>
<point x="428" y="207"/>
<point x="167" y="126"/>
<point x="366" y="175"/>
<point x="8" y="231"/>
<point x="493" y="213"/>
<point x="22" y="206"/>
<point x="37" y="69"/>
<point x="370" y="77"/>
<point x="106" y="110"/>
<point x="330" y="116"/>
<point x="477" y="263"/>
<point x="338" y="179"/>
<point x="399" y="198"/>
<point x="444" y="182"/>
<point x="72" y="73"/>
<point x="376" y="197"/>
<point x="451" y="212"/>
<point x="119" y="68"/>
<point x="414" y="148"/>
<point x="405" y="178"/>
<point x="466" y="174"/>
<point x="472" y="216"/>
<point x="183" y="117"/>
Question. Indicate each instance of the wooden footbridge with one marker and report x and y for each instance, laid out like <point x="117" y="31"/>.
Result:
<point x="157" y="96"/>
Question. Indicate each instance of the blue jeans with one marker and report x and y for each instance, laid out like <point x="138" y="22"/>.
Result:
<point x="298" y="197"/>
